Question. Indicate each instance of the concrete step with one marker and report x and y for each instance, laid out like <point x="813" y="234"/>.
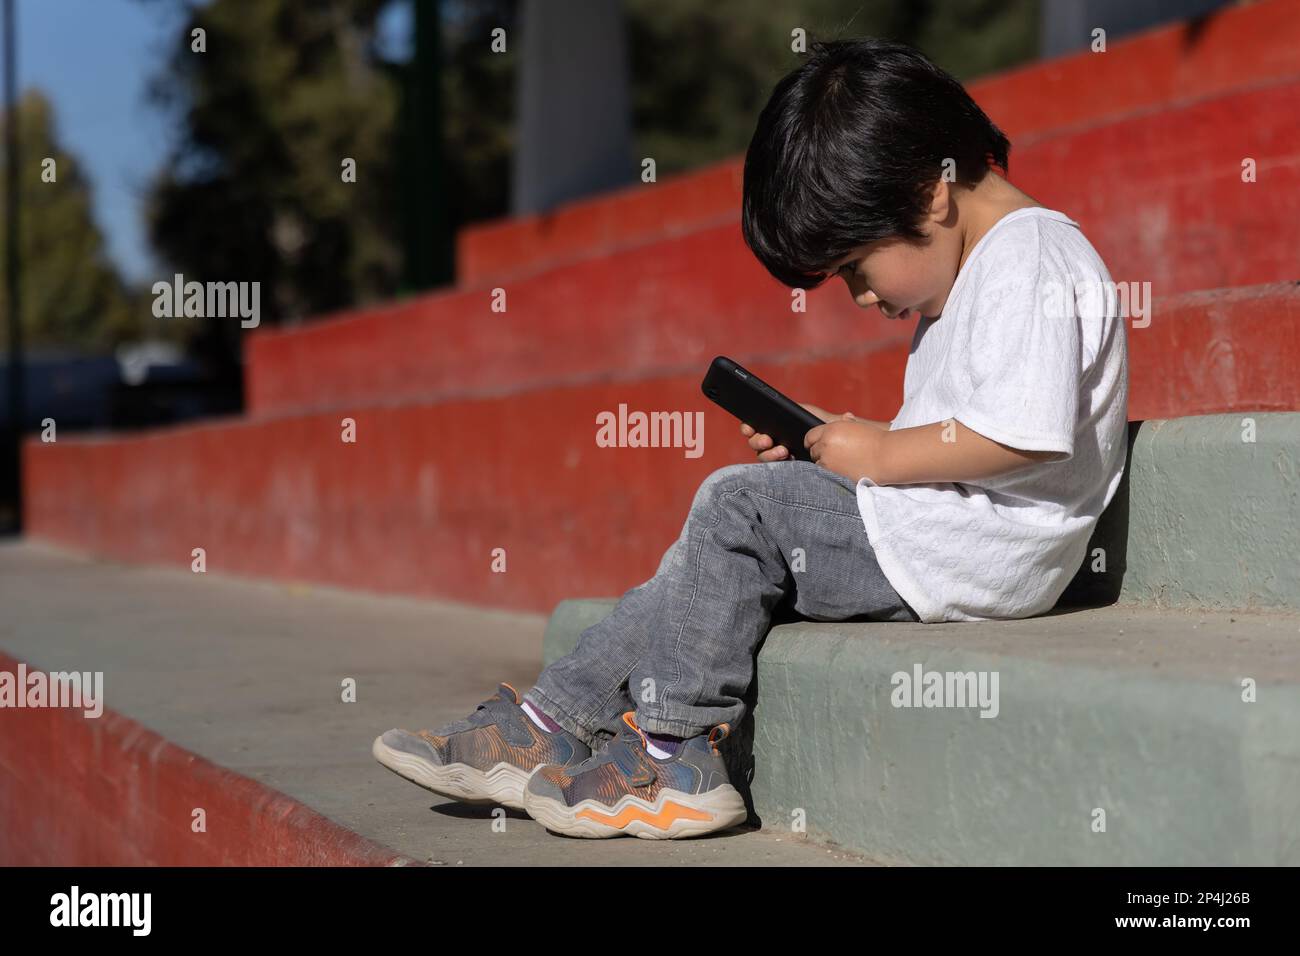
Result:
<point x="1207" y="516"/>
<point x="226" y="695"/>
<point x="420" y="503"/>
<point x="1191" y="353"/>
<point x="1161" y="196"/>
<point x="625" y="315"/>
<point x="1134" y="712"/>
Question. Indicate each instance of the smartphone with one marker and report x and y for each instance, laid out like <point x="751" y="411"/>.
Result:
<point x="758" y="404"/>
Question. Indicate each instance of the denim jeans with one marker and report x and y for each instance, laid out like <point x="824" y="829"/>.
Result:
<point x="680" y="648"/>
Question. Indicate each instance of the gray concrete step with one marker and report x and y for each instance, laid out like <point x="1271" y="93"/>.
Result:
<point x="1134" y="712"/>
<point x="249" y="676"/>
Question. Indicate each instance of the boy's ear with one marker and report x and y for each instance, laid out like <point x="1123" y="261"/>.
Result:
<point x="940" y="198"/>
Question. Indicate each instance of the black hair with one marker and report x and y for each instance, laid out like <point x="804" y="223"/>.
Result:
<point x="846" y="152"/>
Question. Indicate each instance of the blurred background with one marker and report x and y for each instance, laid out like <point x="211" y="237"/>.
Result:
<point x="224" y="163"/>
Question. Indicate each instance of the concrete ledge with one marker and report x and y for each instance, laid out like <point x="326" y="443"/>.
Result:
<point x="1134" y="708"/>
<point x="1213" y="515"/>
<point x="1208" y="517"/>
<point x="225" y="695"/>
<point x="286" y="499"/>
<point x="107" y="791"/>
<point x="1134" y="711"/>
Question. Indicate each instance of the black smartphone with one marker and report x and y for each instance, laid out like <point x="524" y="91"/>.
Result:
<point x="756" y="403"/>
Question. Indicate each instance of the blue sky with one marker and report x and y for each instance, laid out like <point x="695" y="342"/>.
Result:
<point x="94" y="59"/>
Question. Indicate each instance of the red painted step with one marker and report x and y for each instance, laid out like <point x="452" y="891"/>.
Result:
<point x="108" y="792"/>
<point x="420" y="502"/>
<point x="625" y="315"/>
<point x="1234" y="49"/>
<point x="1161" y="197"/>
<point x="513" y="247"/>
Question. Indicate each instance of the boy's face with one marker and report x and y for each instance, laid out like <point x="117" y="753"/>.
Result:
<point x="899" y="276"/>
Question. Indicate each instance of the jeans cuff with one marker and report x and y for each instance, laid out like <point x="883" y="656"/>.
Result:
<point x="669" y="726"/>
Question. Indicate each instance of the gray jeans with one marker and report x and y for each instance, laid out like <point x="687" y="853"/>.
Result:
<point x="680" y="648"/>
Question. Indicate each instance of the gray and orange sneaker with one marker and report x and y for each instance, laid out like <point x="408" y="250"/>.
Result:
<point x="626" y="791"/>
<point x="485" y="758"/>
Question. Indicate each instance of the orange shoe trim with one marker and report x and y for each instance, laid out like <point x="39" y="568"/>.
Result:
<point x="661" y="820"/>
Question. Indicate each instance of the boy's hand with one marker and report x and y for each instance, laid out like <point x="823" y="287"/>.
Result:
<point x="849" y="447"/>
<point x="767" y="451"/>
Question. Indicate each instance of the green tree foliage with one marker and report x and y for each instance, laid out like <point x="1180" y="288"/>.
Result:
<point x="283" y="93"/>
<point x="478" y="92"/>
<point x="72" y="295"/>
<point x="701" y="71"/>
<point x="287" y="88"/>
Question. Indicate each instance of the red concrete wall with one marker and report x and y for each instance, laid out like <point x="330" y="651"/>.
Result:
<point x="108" y="792"/>
<point x="1251" y="45"/>
<point x="629" y="314"/>
<point x="1234" y="49"/>
<point x="418" y="504"/>
<point x="523" y="245"/>
<point x="1161" y="198"/>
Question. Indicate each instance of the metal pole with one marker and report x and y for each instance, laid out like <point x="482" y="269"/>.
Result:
<point x="428" y="253"/>
<point x="13" y="290"/>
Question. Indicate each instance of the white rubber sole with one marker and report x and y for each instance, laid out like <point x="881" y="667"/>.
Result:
<point x="502" y="785"/>
<point x="673" y="815"/>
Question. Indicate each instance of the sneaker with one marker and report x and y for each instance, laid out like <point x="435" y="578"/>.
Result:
<point x="626" y="791"/>
<point x="485" y="758"/>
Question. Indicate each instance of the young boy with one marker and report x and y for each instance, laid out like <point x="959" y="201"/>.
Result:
<point x="976" y="502"/>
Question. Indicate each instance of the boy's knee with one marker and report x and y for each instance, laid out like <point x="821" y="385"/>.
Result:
<point x="748" y="474"/>
<point x="726" y="478"/>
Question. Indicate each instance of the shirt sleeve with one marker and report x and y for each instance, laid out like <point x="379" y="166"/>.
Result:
<point x="1025" y="352"/>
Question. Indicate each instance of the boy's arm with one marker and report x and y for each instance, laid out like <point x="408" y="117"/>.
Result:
<point x="916" y="455"/>
<point x="920" y="454"/>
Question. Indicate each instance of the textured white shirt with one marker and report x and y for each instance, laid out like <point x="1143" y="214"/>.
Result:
<point x="1029" y="351"/>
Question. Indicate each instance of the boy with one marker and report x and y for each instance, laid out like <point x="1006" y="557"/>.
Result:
<point x="976" y="502"/>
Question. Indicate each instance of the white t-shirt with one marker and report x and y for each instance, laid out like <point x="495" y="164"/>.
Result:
<point x="1030" y="352"/>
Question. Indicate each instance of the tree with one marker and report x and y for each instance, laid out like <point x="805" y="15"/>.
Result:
<point x="72" y="294"/>
<point x="284" y="90"/>
<point x="281" y="97"/>
<point x="701" y="71"/>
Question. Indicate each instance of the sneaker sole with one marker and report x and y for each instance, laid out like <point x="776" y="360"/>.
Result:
<point x="502" y="785"/>
<point x="672" y="816"/>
